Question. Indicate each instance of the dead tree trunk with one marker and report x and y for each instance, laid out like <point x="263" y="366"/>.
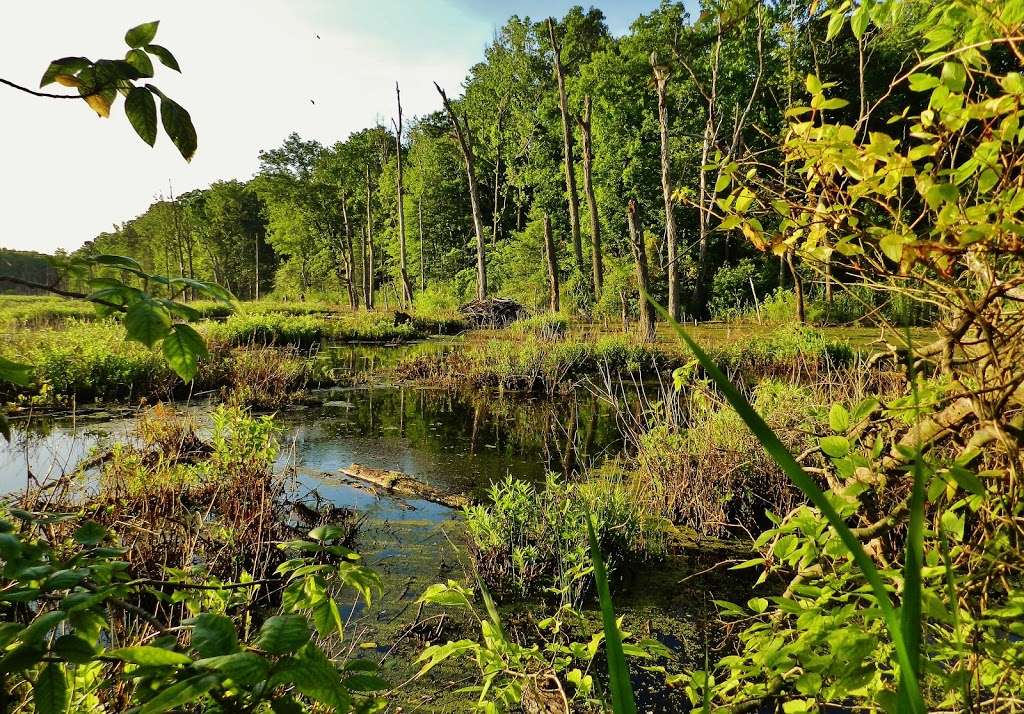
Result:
<point x="465" y="139"/>
<point x="552" y="261"/>
<point x="597" y="262"/>
<point x="567" y="140"/>
<point x="636" y="240"/>
<point x="349" y="257"/>
<point x="368" y="249"/>
<point x="661" y="77"/>
<point x="423" y="274"/>
<point x="402" y="269"/>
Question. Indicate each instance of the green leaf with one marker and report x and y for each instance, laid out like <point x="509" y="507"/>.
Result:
<point x="141" y="110"/>
<point x="183" y="692"/>
<point x="41" y="626"/>
<point x="835" y="446"/>
<point x="147" y="322"/>
<point x="214" y="635"/>
<point x="117" y="261"/>
<point x="366" y="683"/>
<point x="141" y="34"/>
<point x="183" y="348"/>
<point x="50" y="692"/>
<point x="164" y="55"/>
<point x="15" y="373"/>
<point x="954" y="76"/>
<point x="623" y="701"/>
<point x="149" y="656"/>
<point x="141" y="62"/>
<point x="90" y="533"/>
<point x="839" y="419"/>
<point x="859" y="21"/>
<point x="66" y="66"/>
<point x="242" y="668"/>
<point x="178" y="125"/>
<point x="284" y="634"/>
<point x="316" y="677"/>
<point x="73" y="649"/>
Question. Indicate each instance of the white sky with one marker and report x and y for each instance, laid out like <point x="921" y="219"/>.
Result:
<point x="249" y="71"/>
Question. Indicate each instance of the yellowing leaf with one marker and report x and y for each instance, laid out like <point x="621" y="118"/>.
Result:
<point x="67" y="80"/>
<point x="99" y="103"/>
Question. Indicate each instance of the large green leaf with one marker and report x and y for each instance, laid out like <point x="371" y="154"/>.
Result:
<point x="183" y="348"/>
<point x="618" y="671"/>
<point x="241" y="667"/>
<point x="183" y="692"/>
<point x="284" y="634"/>
<point x="141" y="110"/>
<point x="147" y="322"/>
<point x="150" y="656"/>
<point x="141" y="62"/>
<point x="164" y="55"/>
<point x="65" y="66"/>
<point x="16" y="373"/>
<point x="910" y="687"/>
<point x="141" y="34"/>
<point x="178" y="125"/>
<point x="214" y="635"/>
<point x="50" y="691"/>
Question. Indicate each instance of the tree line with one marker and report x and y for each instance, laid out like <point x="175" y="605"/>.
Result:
<point x="575" y="171"/>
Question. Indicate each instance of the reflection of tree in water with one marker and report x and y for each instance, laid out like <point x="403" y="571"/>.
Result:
<point x="560" y="434"/>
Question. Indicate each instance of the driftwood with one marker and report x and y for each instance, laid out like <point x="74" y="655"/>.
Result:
<point x="402" y="484"/>
<point x="492" y="312"/>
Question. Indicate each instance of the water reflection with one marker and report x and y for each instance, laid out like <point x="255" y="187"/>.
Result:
<point x="455" y="441"/>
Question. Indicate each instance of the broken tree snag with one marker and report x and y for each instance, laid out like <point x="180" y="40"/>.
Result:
<point x="464" y="136"/>
<point x="402" y="484"/>
<point x="567" y="152"/>
<point x="403" y="271"/>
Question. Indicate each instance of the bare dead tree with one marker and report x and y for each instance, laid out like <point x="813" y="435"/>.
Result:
<point x="464" y="136"/>
<point x="661" y="77"/>
<point x="402" y="269"/>
<point x="567" y="143"/>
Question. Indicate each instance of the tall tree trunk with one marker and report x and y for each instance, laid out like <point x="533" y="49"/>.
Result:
<point x="661" y="77"/>
<point x="403" y="271"/>
<point x="552" y="261"/>
<point x="423" y="274"/>
<point x="368" y="297"/>
<point x="349" y="257"/>
<point x="257" y="286"/>
<point x="496" y="211"/>
<point x="636" y="240"/>
<point x="597" y="262"/>
<point x="570" y="162"/>
<point x="465" y="139"/>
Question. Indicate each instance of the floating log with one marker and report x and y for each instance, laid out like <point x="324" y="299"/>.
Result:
<point x="402" y="484"/>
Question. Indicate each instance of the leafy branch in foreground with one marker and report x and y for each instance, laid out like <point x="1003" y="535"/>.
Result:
<point x="99" y="82"/>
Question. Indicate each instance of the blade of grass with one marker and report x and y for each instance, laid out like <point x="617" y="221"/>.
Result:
<point x="618" y="672"/>
<point x="910" y="609"/>
<point x="910" y="691"/>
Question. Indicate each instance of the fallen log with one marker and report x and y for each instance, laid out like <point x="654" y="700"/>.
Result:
<point x="402" y="484"/>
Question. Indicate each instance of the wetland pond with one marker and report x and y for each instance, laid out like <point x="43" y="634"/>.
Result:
<point x="455" y="442"/>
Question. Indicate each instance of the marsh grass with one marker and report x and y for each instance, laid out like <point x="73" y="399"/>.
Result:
<point x="532" y="539"/>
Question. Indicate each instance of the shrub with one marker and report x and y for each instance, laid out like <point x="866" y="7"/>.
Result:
<point x="545" y="326"/>
<point x="530" y="540"/>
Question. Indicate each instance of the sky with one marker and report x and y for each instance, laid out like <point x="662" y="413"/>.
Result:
<point x="253" y="71"/>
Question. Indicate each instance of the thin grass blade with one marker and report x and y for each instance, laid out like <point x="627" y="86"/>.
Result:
<point x="623" y="701"/>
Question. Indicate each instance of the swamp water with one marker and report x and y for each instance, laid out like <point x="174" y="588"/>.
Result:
<point x="456" y="443"/>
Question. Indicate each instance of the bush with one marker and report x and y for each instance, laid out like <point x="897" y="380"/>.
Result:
<point x="545" y="326"/>
<point x="530" y="540"/>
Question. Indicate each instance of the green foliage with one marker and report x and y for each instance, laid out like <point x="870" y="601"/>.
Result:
<point x="99" y="82"/>
<point x="530" y="540"/>
<point x="545" y="326"/>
